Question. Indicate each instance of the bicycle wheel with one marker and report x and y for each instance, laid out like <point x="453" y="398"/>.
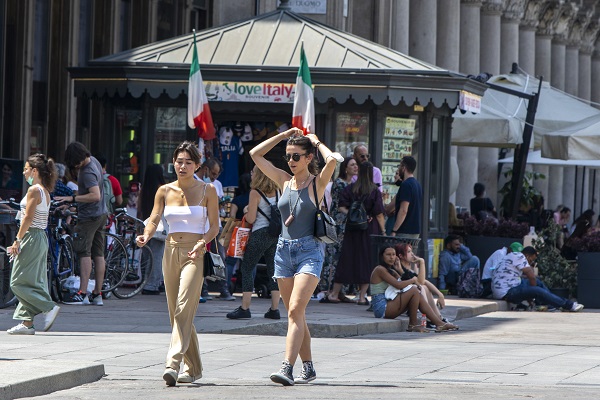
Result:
<point x="115" y="255"/>
<point x="7" y="298"/>
<point x="138" y="272"/>
<point x="65" y="266"/>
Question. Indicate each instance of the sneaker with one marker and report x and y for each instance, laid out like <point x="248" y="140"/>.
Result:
<point x="202" y="299"/>
<point x="576" y="307"/>
<point x="170" y="376"/>
<point x="430" y="325"/>
<point x="273" y="314"/>
<point x="187" y="378"/>
<point x="95" y="299"/>
<point x="239" y="313"/>
<point x="285" y="375"/>
<point x="21" y="329"/>
<point x="207" y="297"/>
<point x="308" y="373"/>
<point x="78" y="298"/>
<point x="226" y="297"/>
<point x="49" y="318"/>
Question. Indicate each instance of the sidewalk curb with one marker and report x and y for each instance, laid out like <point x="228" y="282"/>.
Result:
<point x="468" y="312"/>
<point x="48" y="383"/>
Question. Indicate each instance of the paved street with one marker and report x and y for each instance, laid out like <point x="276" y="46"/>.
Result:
<point x="500" y="354"/>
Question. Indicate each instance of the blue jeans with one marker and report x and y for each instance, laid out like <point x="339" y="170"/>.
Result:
<point x="540" y="293"/>
<point x="298" y="256"/>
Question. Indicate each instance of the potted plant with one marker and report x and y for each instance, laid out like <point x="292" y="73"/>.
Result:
<point x="588" y="271"/>
<point x="554" y="270"/>
<point x="486" y="236"/>
<point x="529" y="193"/>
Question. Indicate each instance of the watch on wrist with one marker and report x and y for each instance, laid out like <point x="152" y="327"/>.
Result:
<point x="74" y="198"/>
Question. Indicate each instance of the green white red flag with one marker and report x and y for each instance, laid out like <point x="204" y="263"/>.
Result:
<point x="303" y="116"/>
<point x="199" y="116"/>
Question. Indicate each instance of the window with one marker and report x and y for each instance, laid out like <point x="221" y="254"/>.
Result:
<point x="351" y="129"/>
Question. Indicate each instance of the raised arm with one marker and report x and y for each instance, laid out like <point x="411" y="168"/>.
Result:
<point x="259" y="151"/>
<point x="330" y="162"/>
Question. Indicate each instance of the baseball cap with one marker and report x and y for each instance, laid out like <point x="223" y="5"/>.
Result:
<point x="516" y="247"/>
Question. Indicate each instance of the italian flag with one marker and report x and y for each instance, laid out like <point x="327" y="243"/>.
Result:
<point x="304" y="99"/>
<point x="198" y="111"/>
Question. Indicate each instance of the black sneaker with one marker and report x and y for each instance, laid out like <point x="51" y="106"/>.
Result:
<point x="239" y="313"/>
<point x="308" y="373"/>
<point x="285" y="375"/>
<point x="78" y="298"/>
<point x="272" y="314"/>
<point x="430" y="325"/>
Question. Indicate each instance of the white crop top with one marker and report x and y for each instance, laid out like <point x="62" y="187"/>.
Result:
<point x="190" y="219"/>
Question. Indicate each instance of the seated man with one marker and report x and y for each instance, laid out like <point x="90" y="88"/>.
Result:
<point x="515" y="281"/>
<point x="455" y="257"/>
<point x="492" y="264"/>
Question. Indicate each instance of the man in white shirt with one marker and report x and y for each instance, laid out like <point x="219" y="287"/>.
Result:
<point x="492" y="264"/>
<point x="515" y="281"/>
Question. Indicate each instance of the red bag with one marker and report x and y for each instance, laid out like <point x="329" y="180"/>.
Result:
<point x="239" y="240"/>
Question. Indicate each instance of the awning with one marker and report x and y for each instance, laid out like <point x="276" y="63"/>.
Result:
<point x="535" y="158"/>
<point x="502" y="119"/>
<point x="579" y="142"/>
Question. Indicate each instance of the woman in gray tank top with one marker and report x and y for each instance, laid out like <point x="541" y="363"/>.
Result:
<point x="298" y="258"/>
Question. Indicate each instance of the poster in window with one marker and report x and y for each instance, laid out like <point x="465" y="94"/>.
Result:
<point x="352" y="129"/>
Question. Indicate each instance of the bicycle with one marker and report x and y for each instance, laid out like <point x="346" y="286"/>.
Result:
<point x="61" y="257"/>
<point x="139" y="259"/>
<point x="7" y="298"/>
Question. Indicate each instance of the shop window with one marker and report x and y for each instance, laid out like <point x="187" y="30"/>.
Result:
<point x="128" y="136"/>
<point x="201" y="15"/>
<point x="437" y="198"/>
<point x="351" y="129"/>
<point x="171" y="129"/>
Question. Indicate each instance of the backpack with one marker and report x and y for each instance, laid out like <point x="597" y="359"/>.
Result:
<point x="357" y="219"/>
<point x="109" y="196"/>
<point x="274" y="228"/>
<point x="469" y="283"/>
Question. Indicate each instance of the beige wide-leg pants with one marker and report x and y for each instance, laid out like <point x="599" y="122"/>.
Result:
<point x="183" y="284"/>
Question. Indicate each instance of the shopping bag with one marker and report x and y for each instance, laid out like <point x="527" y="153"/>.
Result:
<point x="225" y="236"/>
<point x="239" y="240"/>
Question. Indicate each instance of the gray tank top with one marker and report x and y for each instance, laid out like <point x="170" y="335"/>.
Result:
<point x="304" y="221"/>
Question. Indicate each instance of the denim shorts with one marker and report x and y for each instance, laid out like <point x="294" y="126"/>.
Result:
<point x="298" y="256"/>
<point x="378" y="303"/>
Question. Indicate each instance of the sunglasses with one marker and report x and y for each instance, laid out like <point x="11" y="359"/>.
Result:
<point x="295" y="157"/>
<point x="365" y="156"/>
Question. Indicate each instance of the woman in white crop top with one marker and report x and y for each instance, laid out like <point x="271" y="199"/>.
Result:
<point x="29" y="280"/>
<point x="186" y="205"/>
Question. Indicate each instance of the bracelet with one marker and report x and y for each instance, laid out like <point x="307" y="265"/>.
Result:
<point x="393" y="231"/>
<point x="201" y="240"/>
<point x="17" y="240"/>
<point x="317" y="144"/>
<point x="74" y="198"/>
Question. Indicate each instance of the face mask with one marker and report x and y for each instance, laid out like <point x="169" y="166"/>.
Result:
<point x="30" y="180"/>
<point x="206" y="179"/>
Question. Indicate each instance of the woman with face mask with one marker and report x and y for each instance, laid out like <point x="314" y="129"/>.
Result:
<point x="29" y="280"/>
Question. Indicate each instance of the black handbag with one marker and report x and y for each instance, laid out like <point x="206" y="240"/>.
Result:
<point x="325" y="228"/>
<point x="214" y="267"/>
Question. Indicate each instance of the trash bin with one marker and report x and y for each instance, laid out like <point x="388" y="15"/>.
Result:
<point x="380" y="241"/>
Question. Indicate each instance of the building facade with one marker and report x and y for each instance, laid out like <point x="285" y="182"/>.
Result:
<point x="41" y="39"/>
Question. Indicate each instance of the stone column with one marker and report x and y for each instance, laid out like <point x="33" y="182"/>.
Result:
<point x="559" y="52"/>
<point x="509" y="34"/>
<point x="422" y="30"/>
<point x="400" y="12"/>
<point x="448" y="34"/>
<point x="584" y="90"/>
<point x="595" y="84"/>
<point x="589" y="71"/>
<point x="489" y="60"/>
<point x="572" y="69"/>
<point x="528" y="51"/>
<point x="469" y="64"/>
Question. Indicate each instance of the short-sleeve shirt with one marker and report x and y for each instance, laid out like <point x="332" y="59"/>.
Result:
<point x="508" y="274"/>
<point x="116" y="186"/>
<point x="90" y="175"/>
<point x="241" y="201"/>
<point x="410" y="190"/>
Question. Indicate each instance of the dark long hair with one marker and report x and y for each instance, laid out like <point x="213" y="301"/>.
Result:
<point x="46" y="169"/>
<point x="343" y="166"/>
<point x="364" y="184"/>
<point x="306" y="145"/>
<point x="153" y="179"/>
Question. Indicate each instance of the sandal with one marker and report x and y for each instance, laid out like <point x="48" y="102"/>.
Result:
<point x="446" y="327"/>
<point x="417" y="328"/>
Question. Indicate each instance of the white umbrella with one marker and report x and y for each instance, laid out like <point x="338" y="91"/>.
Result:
<point x="502" y="119"/>
<point x="536" y="158"/>
<point x="580" y="141"/>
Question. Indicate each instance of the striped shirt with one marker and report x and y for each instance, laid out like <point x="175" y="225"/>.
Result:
<point x="40" y="216"/>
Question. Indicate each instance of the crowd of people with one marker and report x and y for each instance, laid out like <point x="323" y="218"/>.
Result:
<point x="282" y="207"/>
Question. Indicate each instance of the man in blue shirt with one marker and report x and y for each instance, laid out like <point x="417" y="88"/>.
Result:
<point x="409" y="201"/>
<point x="455" y="257"/>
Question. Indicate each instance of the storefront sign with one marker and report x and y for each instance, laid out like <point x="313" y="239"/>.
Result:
<point x="251" y="92"/>
<point x="469" y="102"/>
<point x="309" y="6"/>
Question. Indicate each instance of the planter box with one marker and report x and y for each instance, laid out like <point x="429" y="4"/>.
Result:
<point x="588" y="279"/>
<point x="484" y="246"/>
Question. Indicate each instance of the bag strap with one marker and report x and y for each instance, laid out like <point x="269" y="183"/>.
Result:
<point x="324" y="200"/>
<point x="203" y="194"/>
<point x="211" y="242"/>
<point x="267" y="200"/>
